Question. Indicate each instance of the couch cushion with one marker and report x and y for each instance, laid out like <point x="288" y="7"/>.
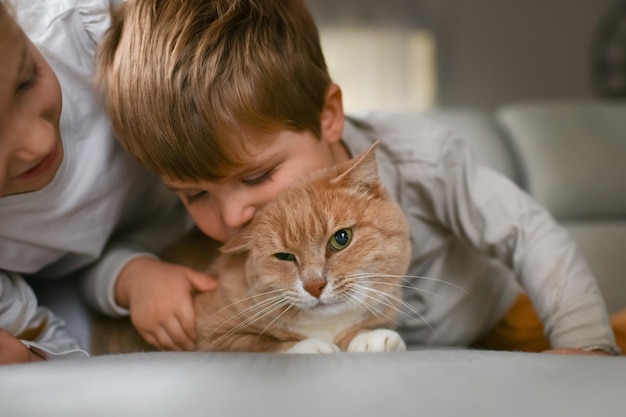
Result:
<point x="419" y="383"/>
<point x="573" y="154"/>
<point x="479" y="130"/>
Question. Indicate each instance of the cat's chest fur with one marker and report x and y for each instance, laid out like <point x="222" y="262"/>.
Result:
<point x="320" y="325"/>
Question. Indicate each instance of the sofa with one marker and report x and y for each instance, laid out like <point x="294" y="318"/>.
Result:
<point x="570" y="155"/>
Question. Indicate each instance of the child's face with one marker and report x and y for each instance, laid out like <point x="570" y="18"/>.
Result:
<point x="30" y="108"/>
<point x="222" y="209"/>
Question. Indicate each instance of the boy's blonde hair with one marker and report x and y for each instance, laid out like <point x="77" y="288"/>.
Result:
<point x="185" y="80"/>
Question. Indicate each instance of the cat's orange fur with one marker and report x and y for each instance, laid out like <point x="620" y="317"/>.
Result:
<point x="262" y="303"/>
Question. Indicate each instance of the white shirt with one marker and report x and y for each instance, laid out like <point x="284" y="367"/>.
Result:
<point x="102" y="209"/>
<point x="476" y="239"/>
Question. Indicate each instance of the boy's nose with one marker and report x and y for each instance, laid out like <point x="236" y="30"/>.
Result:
<point x="237" y="215"/>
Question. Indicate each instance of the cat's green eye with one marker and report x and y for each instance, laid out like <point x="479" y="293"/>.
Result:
<point x="340" y="239"/>
<point x="283" y="256"/>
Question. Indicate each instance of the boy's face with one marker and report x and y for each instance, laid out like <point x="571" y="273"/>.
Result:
<point x="222" y="209"/>
<point x="31" y="151"/>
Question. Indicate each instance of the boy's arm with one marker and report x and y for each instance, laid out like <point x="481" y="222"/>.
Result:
<point x="143" y="233"/>
<point x="491" y="213"/>
<point x="41" y="334"/>
<point x="130" y="279"/>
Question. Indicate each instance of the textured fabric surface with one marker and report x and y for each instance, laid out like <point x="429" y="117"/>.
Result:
<point x="481" y="132"/>
<point x="419" y="383"/>
<point x="573" y="155"/>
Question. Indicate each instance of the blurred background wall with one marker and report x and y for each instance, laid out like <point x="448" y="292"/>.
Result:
<point x="484" y="52"/>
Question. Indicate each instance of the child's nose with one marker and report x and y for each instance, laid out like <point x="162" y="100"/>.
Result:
<point x="37" y="139"/>
<point x="237" y="214"/>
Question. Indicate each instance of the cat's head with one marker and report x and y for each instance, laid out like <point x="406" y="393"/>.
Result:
<point x="328" y="238"/>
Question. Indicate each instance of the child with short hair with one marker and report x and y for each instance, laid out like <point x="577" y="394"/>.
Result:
<point x="230" y="101"/>
<point x="71" y="199"/>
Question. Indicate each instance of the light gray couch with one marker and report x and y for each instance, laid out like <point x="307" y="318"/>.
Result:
<point x="570" y="155"/>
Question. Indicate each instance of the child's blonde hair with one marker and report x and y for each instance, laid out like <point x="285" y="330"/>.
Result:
<point x="185" y="80"/>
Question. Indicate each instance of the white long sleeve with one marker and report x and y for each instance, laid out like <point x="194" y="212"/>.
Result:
<point x="36" y="326"/>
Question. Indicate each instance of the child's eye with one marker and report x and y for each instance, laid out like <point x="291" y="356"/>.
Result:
<point x="195" y="196"/>
<point x="266" y="176"/>
<point x="26" y="84"/>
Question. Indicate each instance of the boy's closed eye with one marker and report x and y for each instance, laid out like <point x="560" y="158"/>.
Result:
<point x="28" y="78"/>
<point x="195" y="196"/>
<point x="259" y="178"/>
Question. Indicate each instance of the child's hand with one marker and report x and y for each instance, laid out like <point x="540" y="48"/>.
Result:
<point x="12" y="350"/>
<point x="573" y="351"/>
<point x="159" y="297"/>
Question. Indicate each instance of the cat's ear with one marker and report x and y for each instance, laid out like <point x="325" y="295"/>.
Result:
<point x="241" y="242"/>
<point x="361" y="174"/>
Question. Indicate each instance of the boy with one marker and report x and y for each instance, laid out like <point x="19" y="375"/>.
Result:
<point x="230" y="101"/>
<point x="71" y="200"/>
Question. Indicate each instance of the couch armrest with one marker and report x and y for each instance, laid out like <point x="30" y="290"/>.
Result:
<point x="418" y="383"/>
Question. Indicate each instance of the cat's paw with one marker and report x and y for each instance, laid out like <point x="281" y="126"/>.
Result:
<point x="379" y="340"/>
<point x="313" y="346"/>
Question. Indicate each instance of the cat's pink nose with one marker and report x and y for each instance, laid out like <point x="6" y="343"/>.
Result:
<point x="315" y="286"/>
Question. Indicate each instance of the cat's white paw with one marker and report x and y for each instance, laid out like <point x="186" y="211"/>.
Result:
<point x="313" y="346"/>
<point x="379" y="340"/>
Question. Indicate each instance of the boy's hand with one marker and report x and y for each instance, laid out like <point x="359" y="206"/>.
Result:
<point x="12" y="350"/>
<point x="159" y="297"/>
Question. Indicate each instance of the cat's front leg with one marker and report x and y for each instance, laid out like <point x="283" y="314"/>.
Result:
<point x="379" y="340"/>
<point x="313" y="346"/>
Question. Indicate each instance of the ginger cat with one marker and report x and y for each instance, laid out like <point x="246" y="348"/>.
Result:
<point x="318" y="270"/>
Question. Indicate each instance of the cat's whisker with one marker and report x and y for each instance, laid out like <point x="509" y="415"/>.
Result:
<point x="406" y="277"/>
<point x="264" y="309"/>
<point x="363" y="303"/>
<point x="399" y="301"/>
<point x="242" y="300"/>
<point x="254" y="318"/>
<point x="378" y="300"/>
<point x="410" y="287"/>
<point x="273" y="321"/>
<point x="260" y="305"/>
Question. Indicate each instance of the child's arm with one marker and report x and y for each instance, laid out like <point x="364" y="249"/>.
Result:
<point x="160" y="298"/>
<point x="29" y="332"/>
<point x="488" y="211"/>
<point x="129" y="279"/>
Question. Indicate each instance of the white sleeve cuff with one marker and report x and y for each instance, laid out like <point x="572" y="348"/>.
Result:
<point x="98" y="284"/>
<point x="48" y="354"/>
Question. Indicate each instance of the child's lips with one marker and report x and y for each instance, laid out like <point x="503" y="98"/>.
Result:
<point x="40" y="168"/>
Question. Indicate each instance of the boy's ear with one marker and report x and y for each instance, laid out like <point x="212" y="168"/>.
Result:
<point x="332" y="117"/>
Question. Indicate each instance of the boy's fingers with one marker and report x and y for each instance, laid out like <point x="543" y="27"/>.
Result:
<point x="187" y="319"/>
<point x="151" y="340"/>
<point x="165" y="340"/>
<point x="178" y="338"/>
<point x="202" y="282"/>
